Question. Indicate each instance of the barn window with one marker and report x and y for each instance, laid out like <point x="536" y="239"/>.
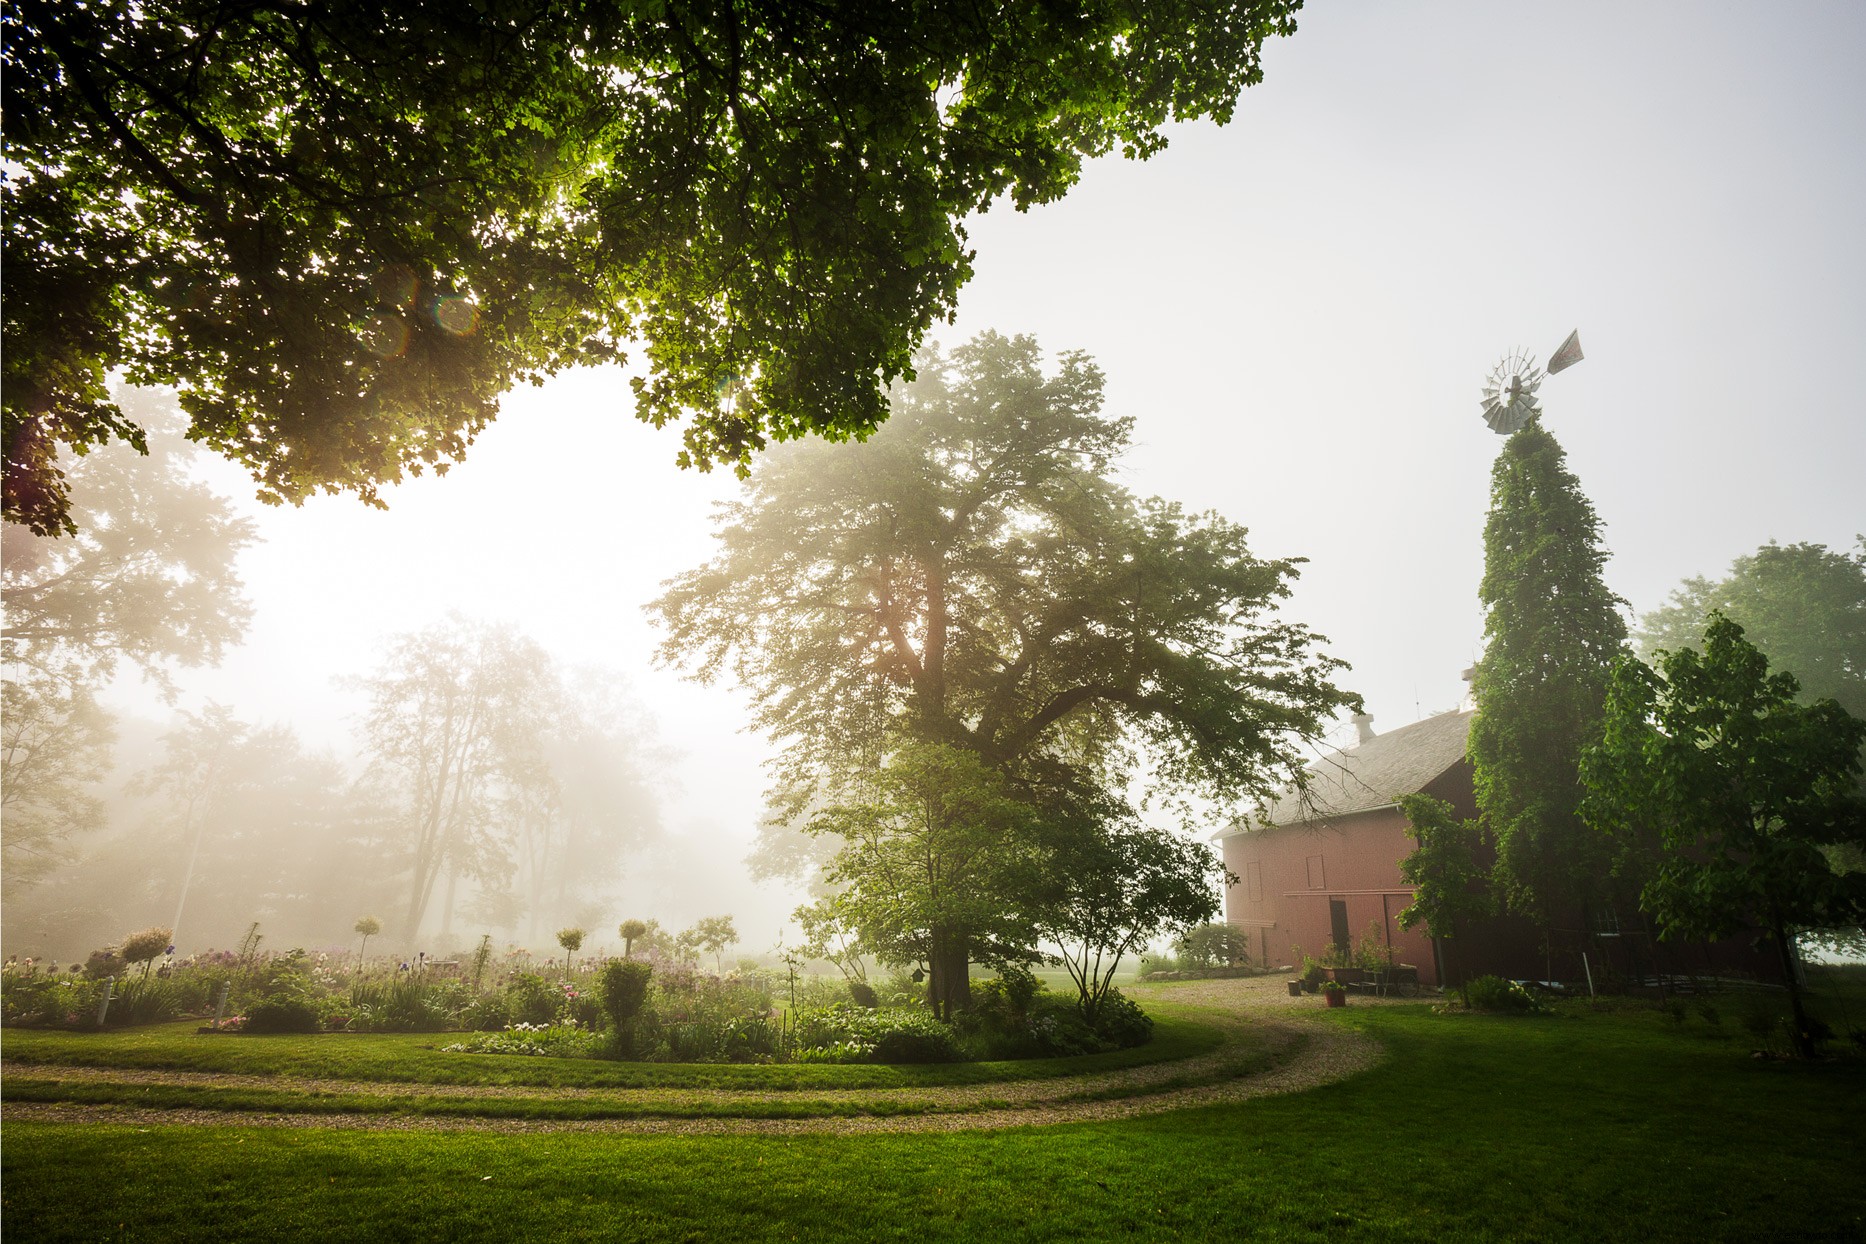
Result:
<point x="1253" y="881"/>
<point x="1318" y="879"/>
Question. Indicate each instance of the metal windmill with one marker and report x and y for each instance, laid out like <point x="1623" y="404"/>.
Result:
<point x="1510" y="394"/>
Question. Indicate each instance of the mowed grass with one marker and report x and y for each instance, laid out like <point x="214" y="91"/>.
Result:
<point x="1580" y="1127"/>
<point x="417" y="1058"/>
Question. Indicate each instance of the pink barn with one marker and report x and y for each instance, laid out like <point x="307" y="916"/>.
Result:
<point x="1323" y="870"/>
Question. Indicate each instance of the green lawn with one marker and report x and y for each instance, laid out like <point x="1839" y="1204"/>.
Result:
<point x="416" y="1058"/>
<point x="1578" y="1127"/>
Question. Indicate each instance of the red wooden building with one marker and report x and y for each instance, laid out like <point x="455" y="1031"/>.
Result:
<point x="1322" y="869"/>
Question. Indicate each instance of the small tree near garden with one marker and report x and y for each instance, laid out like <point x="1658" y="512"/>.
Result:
<point x="1117" y="888"/>
<point x="1711" y="765"/>
<point x="630" y="930"/>
<point x="368" y="926"/>
<point x="143" y="947"/>
<point x="712" y="934"/>
<point x="1450" y="887"/>
<point x="624" y="987"/>
<point x="571" y="940"/>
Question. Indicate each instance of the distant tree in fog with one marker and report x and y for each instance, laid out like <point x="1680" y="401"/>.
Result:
<point x="149" y="579"/>
<point x="712" y="934"/>
<point x="54" y="749"/>
<point x="1803" y="605"/>
<point x="456" y="713"/>
<point x="256" y="828"/>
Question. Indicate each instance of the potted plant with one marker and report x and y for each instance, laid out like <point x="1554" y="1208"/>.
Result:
<point x="1336" y="993"/>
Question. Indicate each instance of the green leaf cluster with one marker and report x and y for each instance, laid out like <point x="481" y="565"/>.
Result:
<point x="343" y="231"/>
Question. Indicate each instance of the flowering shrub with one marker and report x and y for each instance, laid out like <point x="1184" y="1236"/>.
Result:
<point x="537" y="1040"/>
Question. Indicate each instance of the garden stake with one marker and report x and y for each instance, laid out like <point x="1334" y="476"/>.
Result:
<point x="103" y="1003"/>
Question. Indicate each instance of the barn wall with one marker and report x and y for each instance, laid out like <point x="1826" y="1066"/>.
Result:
<point x="1288" y="878"/>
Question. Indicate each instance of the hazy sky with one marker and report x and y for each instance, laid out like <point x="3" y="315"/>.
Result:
<point x="1299" y="310"/>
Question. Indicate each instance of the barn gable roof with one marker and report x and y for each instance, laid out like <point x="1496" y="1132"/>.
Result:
<point x="1371" y="775"/>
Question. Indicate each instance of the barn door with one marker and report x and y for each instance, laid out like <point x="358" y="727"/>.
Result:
<point x="1338" y="918"/>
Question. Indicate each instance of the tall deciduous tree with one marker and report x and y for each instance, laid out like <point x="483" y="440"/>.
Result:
<point x="1713" y="762"/>
<point x="455" y="712"/>
<point x="1803" y="605"/>
<point x="1553" y="632"/>
<point x="344" y="230"/>
<point x="973" y="577"/>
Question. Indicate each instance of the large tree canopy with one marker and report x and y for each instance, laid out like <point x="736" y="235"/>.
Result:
<point x="973" y="576"/>
<point x="1553" y="632"/>
<point x="344" y="230"/>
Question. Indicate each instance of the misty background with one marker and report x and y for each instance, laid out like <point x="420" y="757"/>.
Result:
<point x="1298" y="310"/>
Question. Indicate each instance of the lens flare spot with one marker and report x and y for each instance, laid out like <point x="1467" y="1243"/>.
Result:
<point x="384" y="335"/>
<point x="456" y="315"/>
<point x="395" y="284"/>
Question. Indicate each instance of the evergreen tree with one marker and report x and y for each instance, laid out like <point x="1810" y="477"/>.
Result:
<point x="1553" y="632"/>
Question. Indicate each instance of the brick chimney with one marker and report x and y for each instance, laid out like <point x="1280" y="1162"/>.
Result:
<point x="1364" y="723"/>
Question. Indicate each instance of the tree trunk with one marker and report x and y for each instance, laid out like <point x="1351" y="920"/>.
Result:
<point x="1804" y="1040"/>
<point x="949" y="984"/>
<point x="447" y="908"/>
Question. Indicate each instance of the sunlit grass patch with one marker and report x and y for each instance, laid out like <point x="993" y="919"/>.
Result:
<point x="1595" y="1126"/>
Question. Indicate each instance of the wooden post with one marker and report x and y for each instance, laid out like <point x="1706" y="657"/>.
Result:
<point x="220" y="1002"/>
<point x="103" y="1003"/>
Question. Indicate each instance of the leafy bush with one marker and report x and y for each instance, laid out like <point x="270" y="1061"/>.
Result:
<point x="484" y="1014"/>
<point x="33" y="1000"/>
<point x="864" y="994"/>
<point x="894" y="1035"/>
<point x="1493" y="993"/>
<point x="105" y="961"/>
<point x="623" y="986"/>
<point x="1121" y="1023"/>
<point x="532" y="1000"/>
<point x="282" y="997"/>
<point x="1213" y="945"/>
<point x="283" y="1014"/>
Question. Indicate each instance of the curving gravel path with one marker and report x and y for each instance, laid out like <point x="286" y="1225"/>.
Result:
<point x="1302" y="1053"/>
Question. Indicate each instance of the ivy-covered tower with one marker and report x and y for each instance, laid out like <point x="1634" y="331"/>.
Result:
<point x="1553" y="631"/>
